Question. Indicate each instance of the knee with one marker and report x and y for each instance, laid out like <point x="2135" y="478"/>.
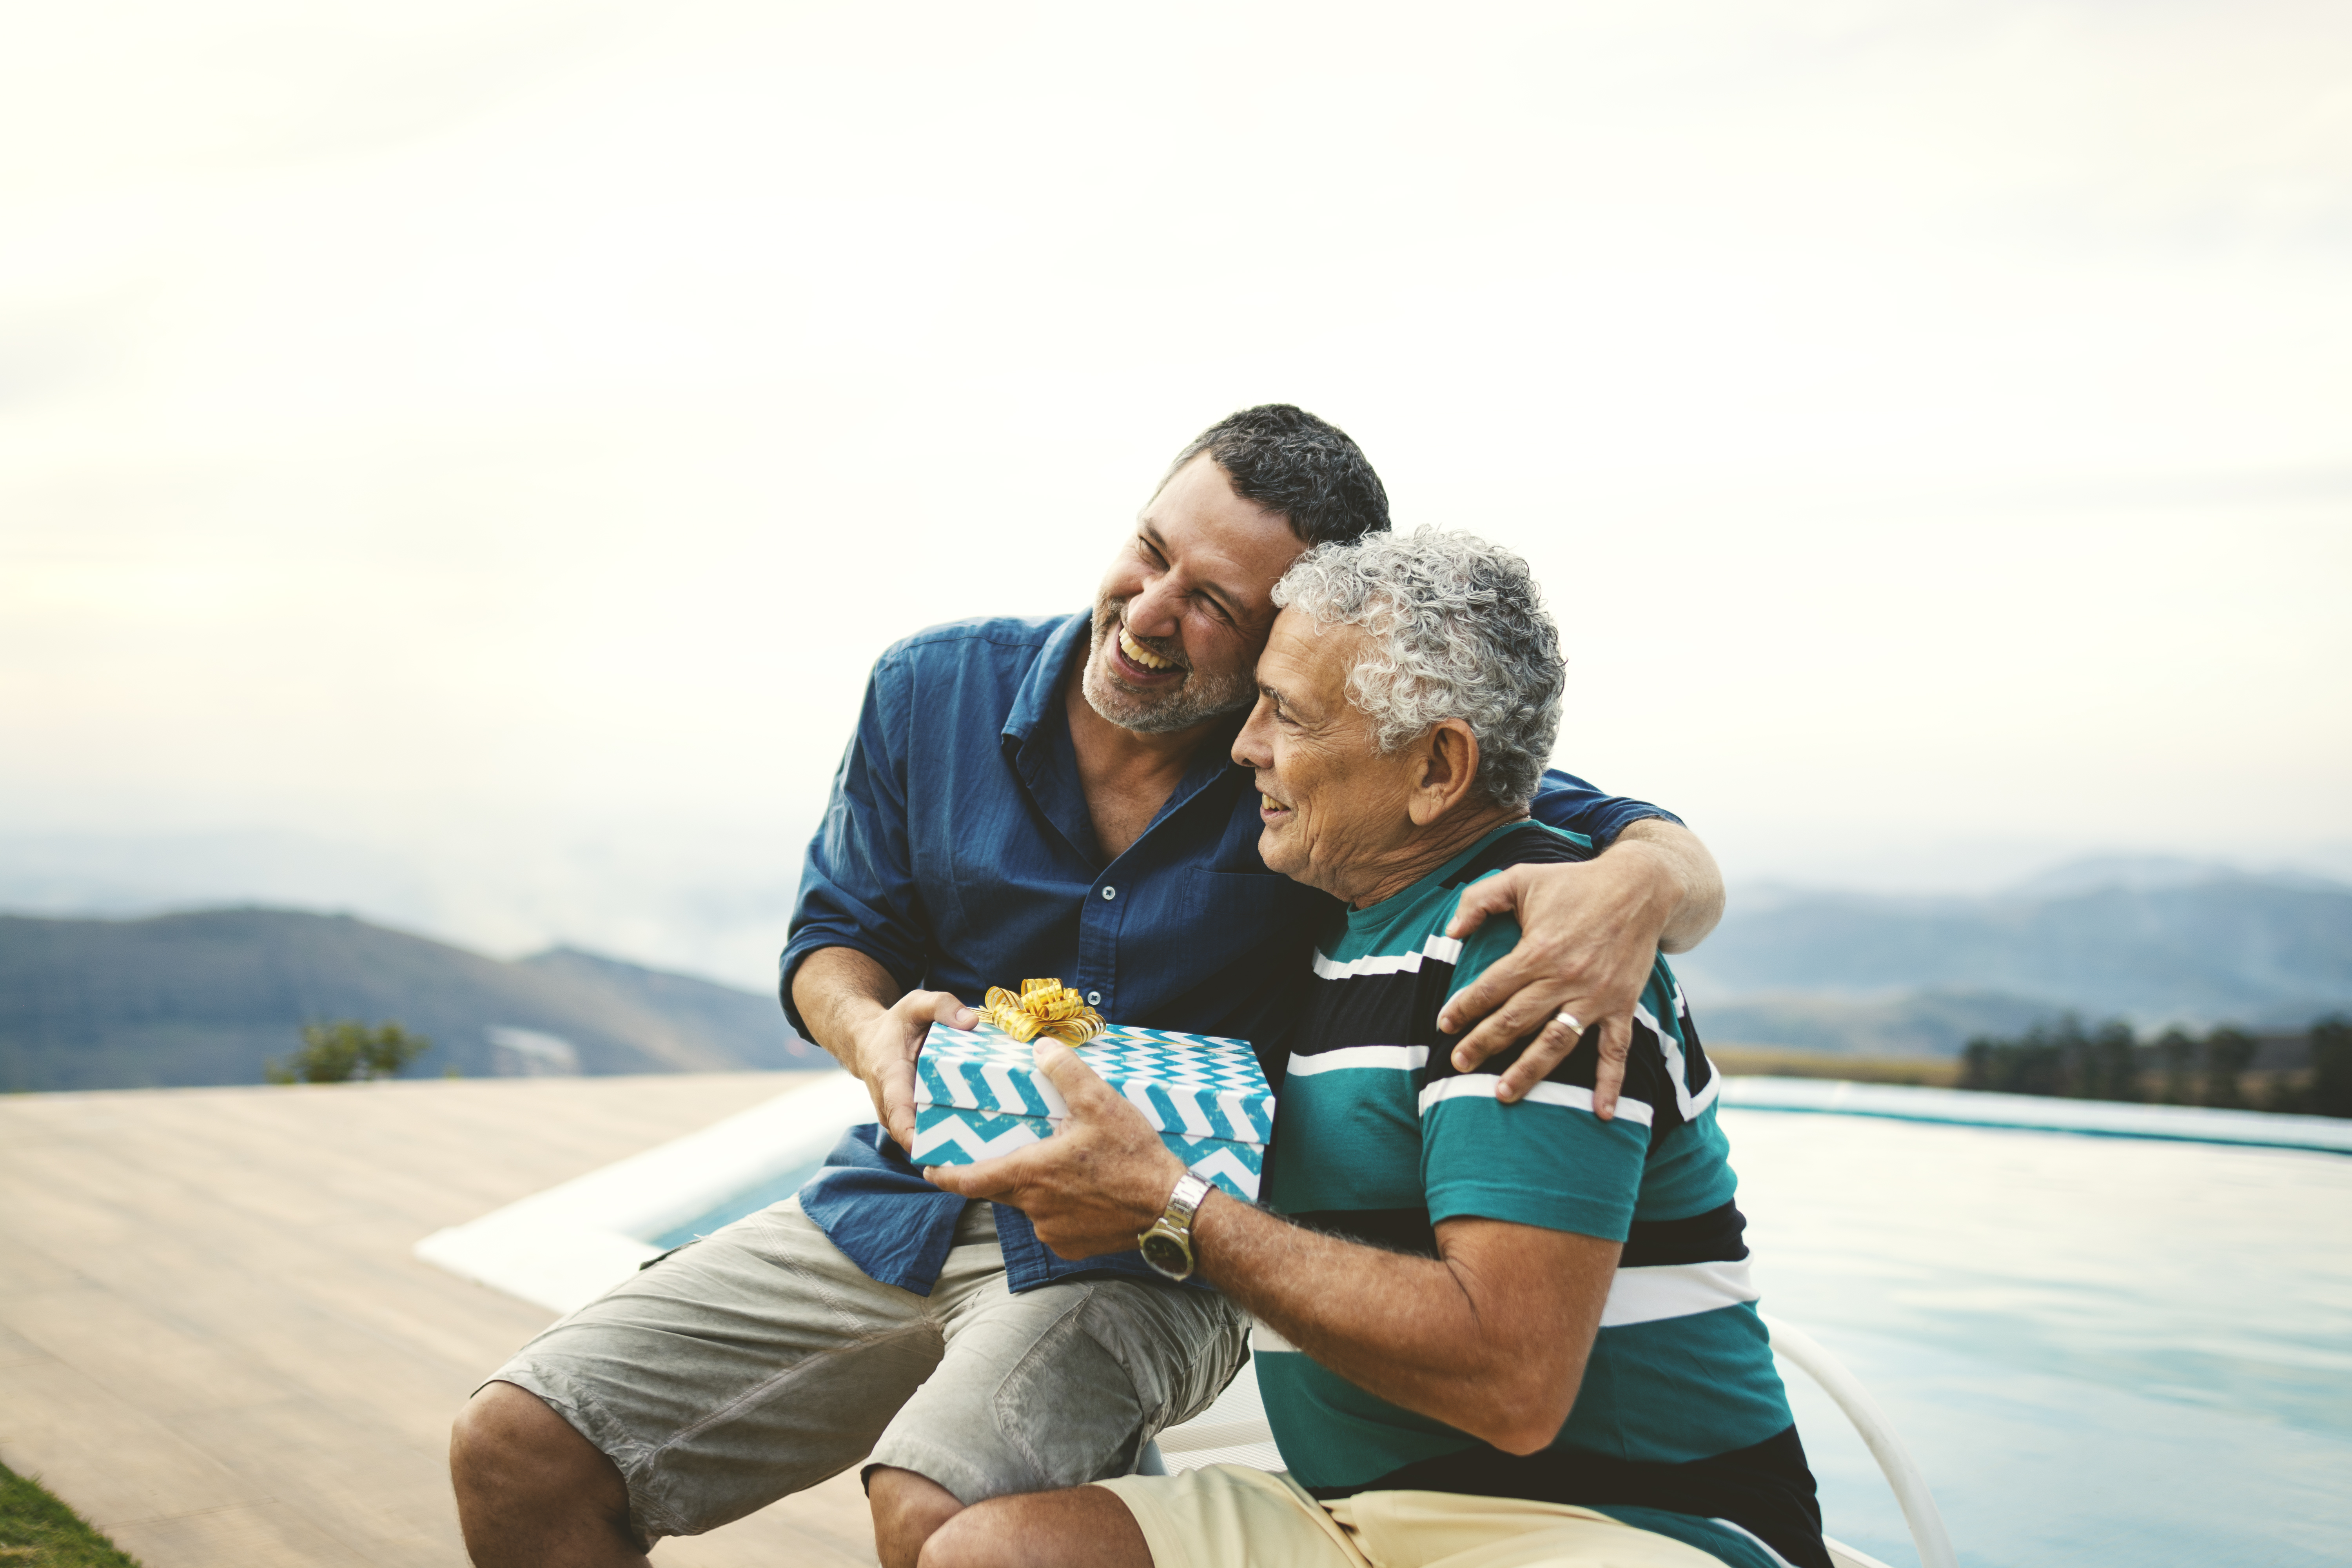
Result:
<point x="1082" y="1527"/>
<point x="962" y="1541"/>
<point x="506" y="1438"/>
<point x="908" y="1510"/>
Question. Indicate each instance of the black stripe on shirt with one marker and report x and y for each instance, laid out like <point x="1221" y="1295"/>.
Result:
<point x="1697" y="1071"/>
<point x="1402" y="1009"/>
<point x="1376" y="1009"/>
<point x="1529" y="843"/>
<point x="1714" y="1237"/>
<point x="1646" y="1077"/>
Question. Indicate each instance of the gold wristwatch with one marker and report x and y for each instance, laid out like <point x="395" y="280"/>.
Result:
<point x="1168" y="1245"/>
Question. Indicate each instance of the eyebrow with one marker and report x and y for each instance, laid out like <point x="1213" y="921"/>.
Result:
<point x="1223" y="597"/>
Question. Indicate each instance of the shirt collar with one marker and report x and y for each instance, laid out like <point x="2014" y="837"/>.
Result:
<point x="1037" y="724"/>
<point x="1372" y="916"/>
<point x="1041" y="688"/>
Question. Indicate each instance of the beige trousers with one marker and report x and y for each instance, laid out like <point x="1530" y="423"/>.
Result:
<point x="1231" y="1516"/>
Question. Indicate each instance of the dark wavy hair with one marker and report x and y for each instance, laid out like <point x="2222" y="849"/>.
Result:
<point x="1287" y="460"/>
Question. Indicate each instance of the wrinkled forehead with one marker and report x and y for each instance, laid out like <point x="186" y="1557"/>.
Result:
<point x="1306" y="657"/>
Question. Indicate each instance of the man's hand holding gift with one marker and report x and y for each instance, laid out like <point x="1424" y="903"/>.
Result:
<point x="1094" y="1186"/>
<point x="887" y="1045"/>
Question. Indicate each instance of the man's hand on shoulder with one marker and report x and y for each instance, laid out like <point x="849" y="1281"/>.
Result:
<point x="1588" y="934"/>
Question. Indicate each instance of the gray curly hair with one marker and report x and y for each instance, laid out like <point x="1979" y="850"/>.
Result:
<point x="1457" y="630"/>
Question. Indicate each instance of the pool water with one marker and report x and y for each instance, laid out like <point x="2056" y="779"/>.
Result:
<point x="2101" y="1351"/>
<point x="751" y="1200"/>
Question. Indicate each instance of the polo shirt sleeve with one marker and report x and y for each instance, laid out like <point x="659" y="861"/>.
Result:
<point x="1545" y="1160"/>
<point x="1566" y="802"/>
<point x="857" y="885"/>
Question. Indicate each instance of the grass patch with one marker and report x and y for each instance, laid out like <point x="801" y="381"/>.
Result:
<point x="37" y="1530"/>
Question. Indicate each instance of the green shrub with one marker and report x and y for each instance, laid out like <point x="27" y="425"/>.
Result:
<point x="2331" y="1065"/>
<point x="2059" y="1060"/>
<point x="2226" y="1053"/>
<point x="345" y="1049"/>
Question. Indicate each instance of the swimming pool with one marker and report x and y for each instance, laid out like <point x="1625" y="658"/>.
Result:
<point x="2101" y="1351"/>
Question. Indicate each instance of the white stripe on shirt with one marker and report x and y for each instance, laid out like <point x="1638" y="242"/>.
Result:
<point x="1407" y="1058"/>
<point x="1443" y="949"/>
<point x="1482" y="1086"/>
<point x="1674" y="1290"/>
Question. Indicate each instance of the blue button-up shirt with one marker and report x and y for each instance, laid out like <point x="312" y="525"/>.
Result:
<point x="957" y="852"/>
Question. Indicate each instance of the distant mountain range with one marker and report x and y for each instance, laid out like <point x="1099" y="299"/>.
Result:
<point x="2152" y="941"/>
<point x="205" y="998"/>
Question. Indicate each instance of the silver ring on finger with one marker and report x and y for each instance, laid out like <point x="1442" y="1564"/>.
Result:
<point x="1569" y="1019"/>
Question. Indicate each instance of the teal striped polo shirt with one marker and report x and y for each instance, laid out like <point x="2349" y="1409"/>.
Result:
<point x="1681" y="1424"/>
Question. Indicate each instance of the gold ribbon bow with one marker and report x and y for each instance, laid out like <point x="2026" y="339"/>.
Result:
<point x="1043" y="1008"/>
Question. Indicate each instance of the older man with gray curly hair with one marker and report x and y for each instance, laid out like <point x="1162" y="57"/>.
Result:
<point x="1448" y="628"/>
<point x="1491" y="1331"/>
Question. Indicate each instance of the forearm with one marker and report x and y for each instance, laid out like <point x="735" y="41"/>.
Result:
<point x="1690" y="883"/>
<point x="857" y="1012"/>
<point x="1407" y="1328"/>
<point x="839" y="990"/>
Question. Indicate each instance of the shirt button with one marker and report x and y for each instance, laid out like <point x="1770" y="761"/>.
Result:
<point x="1110" y="892"/>
<point x="1094" y="998"/>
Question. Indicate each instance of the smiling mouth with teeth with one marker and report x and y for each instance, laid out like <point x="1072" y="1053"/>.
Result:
<point x="1142" y="656"/>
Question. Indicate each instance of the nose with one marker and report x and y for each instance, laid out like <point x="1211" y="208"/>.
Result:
<point x="1250" y="747"/>
<point x="1154" y="613"/>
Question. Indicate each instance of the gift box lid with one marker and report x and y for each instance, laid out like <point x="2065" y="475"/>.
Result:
<point x="1197" y="1084"/>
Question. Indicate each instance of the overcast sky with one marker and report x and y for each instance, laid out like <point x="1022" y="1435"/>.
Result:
<point x="459" y="460"/>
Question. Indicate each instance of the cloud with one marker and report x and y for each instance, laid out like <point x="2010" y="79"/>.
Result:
<point x="1929" y="419"/>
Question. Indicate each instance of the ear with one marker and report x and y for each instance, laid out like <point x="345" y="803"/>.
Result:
<point x="1444" y="771"/>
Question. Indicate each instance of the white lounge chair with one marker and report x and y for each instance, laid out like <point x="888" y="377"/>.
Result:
<point x="1217" y="1428"/>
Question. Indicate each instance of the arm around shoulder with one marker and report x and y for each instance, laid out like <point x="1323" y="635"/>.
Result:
<point x="1589" y="934"/>
<point x="855" y="1011"/>
<point x="1692" y="872"/>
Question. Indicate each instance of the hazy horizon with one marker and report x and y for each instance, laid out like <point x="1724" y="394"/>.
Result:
<point x="727" y="931"/>
<point x="457" y="462"/>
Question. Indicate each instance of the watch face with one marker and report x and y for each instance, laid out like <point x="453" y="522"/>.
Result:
<point x="1167" y="1254"/>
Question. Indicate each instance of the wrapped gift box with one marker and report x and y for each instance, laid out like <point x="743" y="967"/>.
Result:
<point x="978" y="1094"/>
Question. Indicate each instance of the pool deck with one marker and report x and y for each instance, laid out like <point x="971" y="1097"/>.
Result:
<point x="215" y="1344"/>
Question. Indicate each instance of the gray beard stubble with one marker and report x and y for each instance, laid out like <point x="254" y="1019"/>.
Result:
<point x="1191" y="703"/>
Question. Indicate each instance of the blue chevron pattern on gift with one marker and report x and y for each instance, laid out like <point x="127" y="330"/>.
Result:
<point x="1196" y="1086"/>
<point x="957" y="1136"/>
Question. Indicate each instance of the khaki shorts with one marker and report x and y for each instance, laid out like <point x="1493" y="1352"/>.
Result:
<point x="760" y="1359"/>
<point x="1230" y="1515"/>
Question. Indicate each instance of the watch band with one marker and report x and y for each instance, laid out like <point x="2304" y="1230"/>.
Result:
<point x="1168" y="1245"/>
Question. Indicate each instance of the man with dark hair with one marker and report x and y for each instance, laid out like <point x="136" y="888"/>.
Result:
<point x="1024" y="798"/>
<point x="1290" y="462"/>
